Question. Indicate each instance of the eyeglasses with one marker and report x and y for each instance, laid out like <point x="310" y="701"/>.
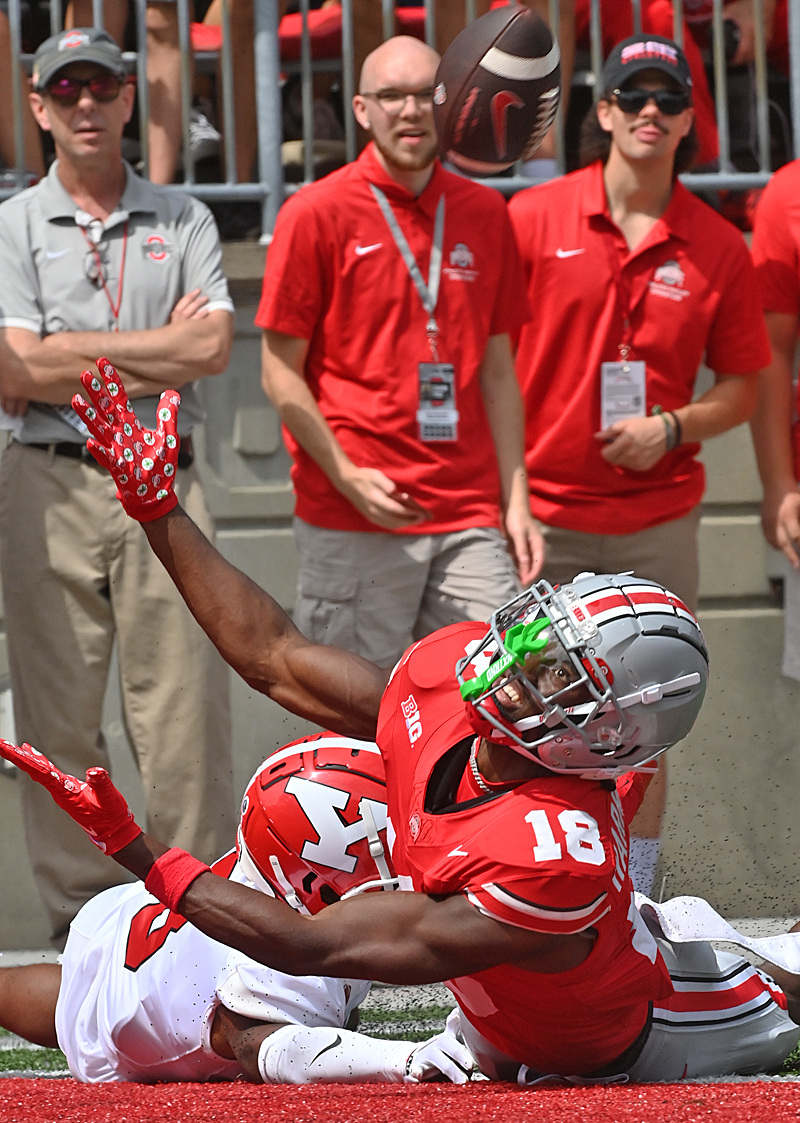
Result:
<point x="394" y="101"/>
<point x="67" y="91"/>
<point x="669" y="102"/>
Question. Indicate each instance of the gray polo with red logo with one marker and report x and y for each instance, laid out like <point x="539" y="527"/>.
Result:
<point x="62" y="271"/>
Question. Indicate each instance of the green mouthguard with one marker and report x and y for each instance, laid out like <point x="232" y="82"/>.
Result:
<point x="520" y="640"/>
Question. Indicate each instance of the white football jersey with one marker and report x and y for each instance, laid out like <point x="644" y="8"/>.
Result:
<point x="140" y="985"/>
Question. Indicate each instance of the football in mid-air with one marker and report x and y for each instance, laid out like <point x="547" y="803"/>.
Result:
<point x="496" y="90"/>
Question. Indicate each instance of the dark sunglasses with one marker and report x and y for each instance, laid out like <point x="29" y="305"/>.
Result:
<point x="67" y="91"/>
<point x="669" y="102"/>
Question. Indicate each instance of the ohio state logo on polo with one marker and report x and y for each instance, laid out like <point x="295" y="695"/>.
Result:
<point x="156" y="247"/>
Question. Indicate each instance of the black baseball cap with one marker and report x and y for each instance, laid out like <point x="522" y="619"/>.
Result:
<point x="79" y="44"/>
<point x="645" y="52"/>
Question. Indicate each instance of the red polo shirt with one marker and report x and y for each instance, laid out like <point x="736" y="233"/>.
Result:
<point x="776" y="241"/>
<point x="776" y="253"/>
<point x="335" y="277"/>
<point x="689" y="290"/>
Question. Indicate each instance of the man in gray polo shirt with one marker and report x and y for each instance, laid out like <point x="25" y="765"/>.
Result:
<point x="95" y="261"/>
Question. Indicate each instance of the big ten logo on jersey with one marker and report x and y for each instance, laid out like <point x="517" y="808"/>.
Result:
<point x="413" y="721"/>
<point x="153" y="924"/>
<point x="325" y="807"/>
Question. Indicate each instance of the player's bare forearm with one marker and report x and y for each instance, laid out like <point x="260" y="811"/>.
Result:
<point x="327" y="685"/>
<point x="393" y="937"/>
<point x="165" y="357"/>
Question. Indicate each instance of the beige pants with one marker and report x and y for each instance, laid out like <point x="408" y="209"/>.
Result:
<point x="77" y="572"/>
<point x="666" y="553"/>
<point x="376" y="593"/>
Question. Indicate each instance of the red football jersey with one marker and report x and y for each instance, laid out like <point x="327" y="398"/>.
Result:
<point x="550" y="855"/>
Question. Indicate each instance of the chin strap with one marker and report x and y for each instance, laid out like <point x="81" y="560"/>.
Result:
<point x="376" y="850"/>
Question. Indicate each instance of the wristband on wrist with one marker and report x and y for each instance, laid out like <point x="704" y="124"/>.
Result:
<point x="171" y="875"/>
<point x="676" y="421"/>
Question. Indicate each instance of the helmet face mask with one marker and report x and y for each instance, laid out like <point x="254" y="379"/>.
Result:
<point x="595" y="677"/>
<point x="313" y="823"/>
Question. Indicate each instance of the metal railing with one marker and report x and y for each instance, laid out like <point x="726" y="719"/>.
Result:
<point x="269" y="185"/>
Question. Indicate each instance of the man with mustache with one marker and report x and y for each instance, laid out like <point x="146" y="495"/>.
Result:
<point x="633" y="282"/>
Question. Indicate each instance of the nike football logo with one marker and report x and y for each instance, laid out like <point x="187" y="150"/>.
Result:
<point x="56" y="253"/>
<point x="332" y="1045"/>
<point x="458" y="853"/>
<point x="361" y="250"/>
<point x="568" y="253"/>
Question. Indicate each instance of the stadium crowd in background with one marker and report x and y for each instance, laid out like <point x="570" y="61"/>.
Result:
<point x="404" y="417"/>
<point x="632" y="282"/>
<point x="94" y="259"/>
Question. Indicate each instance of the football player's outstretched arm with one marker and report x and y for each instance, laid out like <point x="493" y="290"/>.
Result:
<point x="330" y="686"/>
<point x="250" y="630"/>
<point x="394" y="937"/>
<point x="391" y="937"/>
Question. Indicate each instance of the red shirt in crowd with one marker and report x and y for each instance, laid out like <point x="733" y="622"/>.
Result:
<point x="776" y="252"/>
<point x="689" y="292"/>
<point x="335" y="277"/>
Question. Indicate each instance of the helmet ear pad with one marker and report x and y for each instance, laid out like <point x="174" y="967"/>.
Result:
<point x="641" y="655"/>
<point x="313" y="823"/>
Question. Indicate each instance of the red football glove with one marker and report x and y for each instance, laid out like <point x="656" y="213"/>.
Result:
<point x="94" y="803"/>
<point x="141" y="461"/>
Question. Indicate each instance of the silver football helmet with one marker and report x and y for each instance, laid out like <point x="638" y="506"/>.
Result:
<point x="596" y="677"/>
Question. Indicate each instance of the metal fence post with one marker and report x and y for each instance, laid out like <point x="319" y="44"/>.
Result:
<point x="268" y="110"/>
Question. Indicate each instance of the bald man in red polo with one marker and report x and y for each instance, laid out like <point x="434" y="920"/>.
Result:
<point x="397" y="391"/>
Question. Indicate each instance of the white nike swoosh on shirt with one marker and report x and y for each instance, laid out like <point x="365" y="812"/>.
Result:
<point x="361" y="250"/>
<point x="568" y="253"/>
<point x="458" y="853"/>
<point x="56" y="253"/>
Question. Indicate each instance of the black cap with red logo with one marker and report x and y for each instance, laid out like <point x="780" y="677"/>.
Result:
<point x="645" y="52"/>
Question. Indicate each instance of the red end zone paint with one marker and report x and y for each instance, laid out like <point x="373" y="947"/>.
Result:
<point x="65" y="1101"/>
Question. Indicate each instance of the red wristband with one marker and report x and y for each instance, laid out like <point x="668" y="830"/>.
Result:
<point x="171" y="875"/>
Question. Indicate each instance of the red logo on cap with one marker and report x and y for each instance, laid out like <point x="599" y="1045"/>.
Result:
<point x="73" y="39"/>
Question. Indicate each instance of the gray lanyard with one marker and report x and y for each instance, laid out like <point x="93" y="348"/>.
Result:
<point x="428" y="294"/>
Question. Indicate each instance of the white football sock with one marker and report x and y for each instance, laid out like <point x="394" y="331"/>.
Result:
<point x="305" y="1055"/>
<point x="643" y="862"/>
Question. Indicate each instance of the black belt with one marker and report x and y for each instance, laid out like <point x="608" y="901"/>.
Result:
<point x="80" y="452"/>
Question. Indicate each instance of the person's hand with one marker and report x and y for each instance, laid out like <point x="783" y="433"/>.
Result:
<point x="94" y="803"/>
<point x="780" y="522"/>
<point x="376" y="497"/>
<point x="142" y="462"/>
<point x="742" y="12"/>
<point x="444" y="1055"/>
<point x="192" y="306"/>
<point x="14" y="407"/>
<point x="527" y="544"/>
<point x="637" y="442"/>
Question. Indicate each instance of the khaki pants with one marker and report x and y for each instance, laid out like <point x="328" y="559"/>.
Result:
<point x="76" y="573"/>
<point x="666" y="553"/>
<point x="376" y="593"/>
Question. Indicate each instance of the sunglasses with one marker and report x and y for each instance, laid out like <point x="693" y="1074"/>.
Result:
<point x="669" y="102"/>
<point x="67" y="91"/>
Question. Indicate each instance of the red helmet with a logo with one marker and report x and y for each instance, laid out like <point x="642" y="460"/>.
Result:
<point x="313" y="823"/>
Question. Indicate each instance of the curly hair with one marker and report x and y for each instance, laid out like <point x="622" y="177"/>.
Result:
<point x="595" y="144"/>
